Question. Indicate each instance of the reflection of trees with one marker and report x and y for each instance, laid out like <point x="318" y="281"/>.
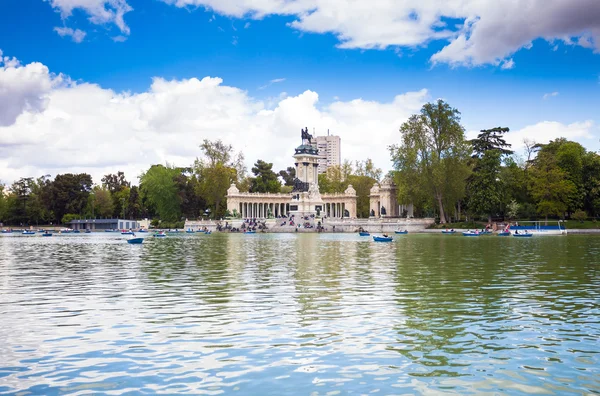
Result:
<point x="467" y="297"/>
<point x="180" y="267"/>
<point x="443" y="287"/>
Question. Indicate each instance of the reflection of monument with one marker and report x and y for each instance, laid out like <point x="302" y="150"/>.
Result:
<point x="305" y="199"/>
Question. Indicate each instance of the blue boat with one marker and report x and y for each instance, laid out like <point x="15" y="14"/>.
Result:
<point x="364" y="233"/>
<point x="207" y="232"/>
<point x="249" y="232"/>
<point x="504" y="233"/>
<point x="46" y="234"/>
<point x="28" y="233"/>
<point x="135" y="241"/>
<point x="7" y="231"/>
<point x="401" y="232"/>
<point x="127" y="233"/>
<point x="524" y="235"/>
<point x="448" y="232"/>
<point x="189" y="232"/>
<point x="471" y="234"/>
<point x="382" y="238"/>
<point x="160" y="235"/>
<point x="76" y="232"/>
<point x="88" y="231"/>
<point x="143" y="230"/>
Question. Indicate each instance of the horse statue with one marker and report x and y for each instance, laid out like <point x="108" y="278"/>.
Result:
<point x="306" y="135"/>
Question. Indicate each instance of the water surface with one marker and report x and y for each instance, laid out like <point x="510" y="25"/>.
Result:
<point x="299" y="314"/>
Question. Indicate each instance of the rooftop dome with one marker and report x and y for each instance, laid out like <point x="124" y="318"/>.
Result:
<point x="307" y="149"/>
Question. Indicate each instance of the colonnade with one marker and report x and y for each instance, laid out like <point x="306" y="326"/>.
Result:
<point x="260" y="210"/>
<point x="334" y="209"/>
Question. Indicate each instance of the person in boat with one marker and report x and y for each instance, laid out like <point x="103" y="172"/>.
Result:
<point x="385" y="236"/>
<point x="516" y="232"/>
<point x="452" y="230"/>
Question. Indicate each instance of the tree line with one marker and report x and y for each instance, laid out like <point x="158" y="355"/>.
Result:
<point x="435" y="167"/>
<point x="166" y="193"/>
<point x="448" y="176"/>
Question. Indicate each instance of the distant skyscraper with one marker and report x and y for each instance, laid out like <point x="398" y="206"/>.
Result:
<point x="329" y="151"/>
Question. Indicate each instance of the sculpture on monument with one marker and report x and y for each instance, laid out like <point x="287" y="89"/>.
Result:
<point x="300" y="186"/>
<point x="306" y="135"/>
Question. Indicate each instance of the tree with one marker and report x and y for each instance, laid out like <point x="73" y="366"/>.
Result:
<point x="134" y="206"/>
<point x="288" y="175"/>
<point x="102" y="202"/>
<point x="550" y="187"/>
<point x="491" y="139"/>
<point x="337" y="178"/>
<point x="484" y="187"/>
<point x="513" y="209"/>
<point x="591" y="183"/>
<point x="366" y="168"/>
<point x="433" y="151"/>
<point x="17" y="209"/>
<point x="569" y="157"/>
<point x="265" y="180"/>
<point x="158" y="186"/>
<point x="216" y="171"/>
<point x="2" y="203"/>
<point x="121" y="202"/>
<point x="69" y="194"/>
<point x="114" y="182"/>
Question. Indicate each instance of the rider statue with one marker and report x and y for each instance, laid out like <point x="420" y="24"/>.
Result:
<point x="306" y="135"/>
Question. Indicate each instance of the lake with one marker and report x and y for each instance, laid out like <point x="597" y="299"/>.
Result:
<point x="273" y="314"/>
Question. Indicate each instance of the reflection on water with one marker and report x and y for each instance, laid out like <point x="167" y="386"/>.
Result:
<point x="275" y="314"/>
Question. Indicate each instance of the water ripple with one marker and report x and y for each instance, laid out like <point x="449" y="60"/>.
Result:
<point x="303" y="314"/>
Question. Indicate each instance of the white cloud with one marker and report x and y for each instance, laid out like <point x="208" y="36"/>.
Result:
<point x="76" y="35"/>
<point x="83" y="127"/>
<point x="273" y="81"/>
<point x="479" y="31"/>
<point x="99" y="11"/>
<point x="549" y="95"/>
<point x="508" y="64"/>
<point x="23" y="88"/>
<point x="544" y="131"/>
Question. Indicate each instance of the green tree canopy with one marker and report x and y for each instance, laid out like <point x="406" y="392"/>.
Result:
<point x="264" y="180"/>
<point x="432" y="157"/>
<point x="102" y="202"/>
<point x="216" y="170"/>
<point x="69" y="194"/>
<point x="484" y="187"/>
<point x="114" y="183"/>
<point x="157" y="184"/>
<point x="288" y="175"/>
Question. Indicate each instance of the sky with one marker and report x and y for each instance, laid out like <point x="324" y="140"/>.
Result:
<point x="101" y="86"/>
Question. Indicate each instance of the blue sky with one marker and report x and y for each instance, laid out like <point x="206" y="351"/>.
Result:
<point x="250" y="49"/>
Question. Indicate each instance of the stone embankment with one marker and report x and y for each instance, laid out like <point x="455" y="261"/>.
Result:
<point x="330" y="225"/>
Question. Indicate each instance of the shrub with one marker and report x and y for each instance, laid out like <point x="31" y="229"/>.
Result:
<point x="579" y="215"/>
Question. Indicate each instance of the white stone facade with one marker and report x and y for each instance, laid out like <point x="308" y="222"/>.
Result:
<point x="384" y="201"/>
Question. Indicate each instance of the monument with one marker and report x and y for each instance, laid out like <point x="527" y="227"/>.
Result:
<point x="306" y="198"/>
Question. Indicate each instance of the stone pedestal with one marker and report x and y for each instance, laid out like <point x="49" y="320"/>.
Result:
<point x="307" y="203"/>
